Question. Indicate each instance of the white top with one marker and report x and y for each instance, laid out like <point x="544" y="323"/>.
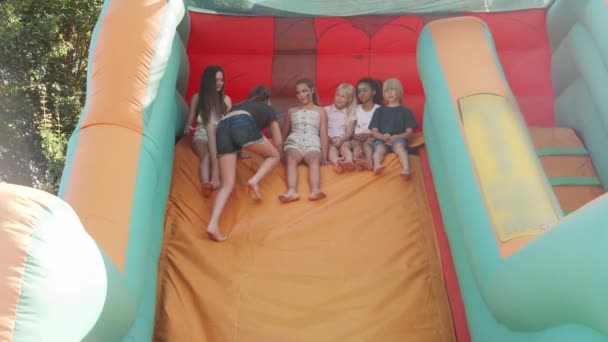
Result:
<point x="214" y="118"/>
<point x="363" y="119"/>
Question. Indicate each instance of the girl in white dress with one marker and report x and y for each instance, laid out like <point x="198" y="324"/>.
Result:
<point x="305" y="129"/>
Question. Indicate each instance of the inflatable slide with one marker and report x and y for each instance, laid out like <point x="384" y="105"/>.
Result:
<point x="497" y="237"/>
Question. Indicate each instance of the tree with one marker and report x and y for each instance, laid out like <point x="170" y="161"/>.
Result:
<point x="43" y="62"/>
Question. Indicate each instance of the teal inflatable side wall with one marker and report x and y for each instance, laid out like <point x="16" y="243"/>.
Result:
<point x="553" y="289"/>
<point x="162" y="120"/>
<point x="122" y="305"/>
<point x="577" y="32"/>
<point x="73" y="141"/>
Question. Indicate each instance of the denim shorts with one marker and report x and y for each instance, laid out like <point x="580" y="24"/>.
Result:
<point x="389" y="148"/>
<point x="235" y="132"/>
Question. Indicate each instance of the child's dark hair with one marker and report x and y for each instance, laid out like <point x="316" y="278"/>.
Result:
<point x="259" y="93"/>
<point x="376" y="86"/>
<point x="210" y="100"/>
<point x="311" y="85"/>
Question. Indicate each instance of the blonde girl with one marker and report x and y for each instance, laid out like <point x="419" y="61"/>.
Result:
<point x="341" y="122"/>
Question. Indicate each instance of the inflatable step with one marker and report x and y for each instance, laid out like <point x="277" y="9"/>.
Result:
<point x="568" y="166"/>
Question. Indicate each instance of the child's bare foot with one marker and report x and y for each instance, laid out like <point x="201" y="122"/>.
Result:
<point x="363" y="164"/>
<point x="347" y="165"/>
<point x="215" y="184"/>
<point x="206" y="189"/>
<point x="254" y="192"/>
<point x="215" y="234"/>
<point x="378" y="169"/>
<point x="316" y="195"/>
<point x="289" y="196"/>
<point x="338" y="167"/>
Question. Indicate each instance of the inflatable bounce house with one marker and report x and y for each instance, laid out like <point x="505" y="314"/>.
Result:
<point x="498" y="236"/>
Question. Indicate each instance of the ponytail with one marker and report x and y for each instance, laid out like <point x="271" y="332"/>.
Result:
<point x="315" y="99"/>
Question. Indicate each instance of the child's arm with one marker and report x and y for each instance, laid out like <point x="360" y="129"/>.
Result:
<point x="286" y="124"/>
<point x="323" y="135"/>
<point x="374" y="124"/>
<point x="191" y="114"/>
<point x="350" y="131"/>
<point x="275" y="134"/>
<point x="405" y="135"/>
<point x="376" y="134"/>
<point x="410" y="124"/>
<point x="228" y="102"/>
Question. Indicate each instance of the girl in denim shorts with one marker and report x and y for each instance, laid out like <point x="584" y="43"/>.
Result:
<point x="241" y="128"/>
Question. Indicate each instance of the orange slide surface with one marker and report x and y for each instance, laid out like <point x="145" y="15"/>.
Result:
<point x="360" y="265"/>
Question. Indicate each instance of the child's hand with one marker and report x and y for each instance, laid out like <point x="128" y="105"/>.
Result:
<point x="187" y="129"/>
<point x="336" y="142"/>
<point x="325" y="162"/>
<point x="387" y="137"/>
<point x="362" y="136"/>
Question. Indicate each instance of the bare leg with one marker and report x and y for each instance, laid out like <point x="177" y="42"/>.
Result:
<point x="357" y="149"/>
<point x="313" y="160"/>
<point x="347" y="156"/>
<point x="271" y="158"/>
<point x="368" y="151"/>
<point x="215" y="173"/>
<point x="228" y="173"/>
<point x="378" y="159"/>
<point x="293" y="158"/>
<point x="401" y="152"/>
<point x="201" y="149"/>
<point x="215" y="170"/>
<point x="359" y="158"/>
<point x="334" y="158"/>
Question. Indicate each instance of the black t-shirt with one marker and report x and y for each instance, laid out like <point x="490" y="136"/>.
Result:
<point x="393" y="120"/>
<point x="262" y="113"/>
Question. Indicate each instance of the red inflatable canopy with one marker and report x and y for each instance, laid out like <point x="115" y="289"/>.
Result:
<point x="278" y="51"/>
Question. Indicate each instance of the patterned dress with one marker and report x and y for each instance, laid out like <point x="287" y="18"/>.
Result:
<point x="305" y="128"/>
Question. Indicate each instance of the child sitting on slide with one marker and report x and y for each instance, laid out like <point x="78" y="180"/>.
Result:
<point x="369" y="93"/>
<point x="392" y="125"/>
<point x="341" y="122"/>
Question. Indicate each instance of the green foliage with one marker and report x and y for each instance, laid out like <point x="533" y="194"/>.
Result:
<point x="43" y="62"/>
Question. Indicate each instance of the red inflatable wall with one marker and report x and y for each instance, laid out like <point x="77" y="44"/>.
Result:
<point x="278" y="51"/>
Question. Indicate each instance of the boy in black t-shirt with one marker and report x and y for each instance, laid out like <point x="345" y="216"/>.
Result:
<point x="392" y="125"/>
